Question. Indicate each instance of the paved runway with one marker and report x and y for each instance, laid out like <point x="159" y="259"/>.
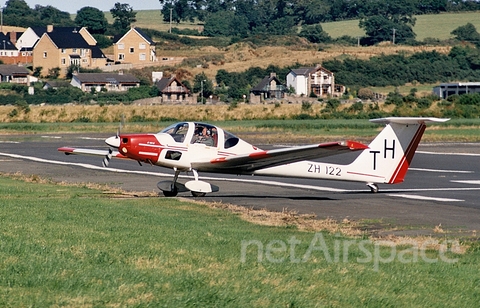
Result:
<point x="441" y="188"/>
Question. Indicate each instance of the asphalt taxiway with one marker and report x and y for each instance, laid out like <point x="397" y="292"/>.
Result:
<point x="442" y="188"/>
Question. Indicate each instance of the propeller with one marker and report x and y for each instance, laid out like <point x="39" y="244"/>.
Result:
<point x="106" y="159"/>
<point x="113" y="142"/>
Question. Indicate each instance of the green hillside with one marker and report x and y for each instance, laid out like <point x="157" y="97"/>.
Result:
<point x="434" y="26"/>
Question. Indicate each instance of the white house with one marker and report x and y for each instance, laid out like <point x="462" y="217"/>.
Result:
<point x="306" y="80"/>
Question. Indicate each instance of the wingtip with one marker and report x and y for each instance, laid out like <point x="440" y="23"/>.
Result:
<point x="355" y="146"/>
<point x="66" y="150"/>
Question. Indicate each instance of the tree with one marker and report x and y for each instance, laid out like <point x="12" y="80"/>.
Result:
<point x="225" y="23"/>
<point x="380" y="28"/>
<point x="93" y="19"/>
<point x="182" y="10"/>
<point x="467" y="33"/>
<point x="314" y="34"/>
<point x="123" y="15"/>
<point x="201" y="82"/>
<point x="50" y="15"/>
<point x="18" y="13"/>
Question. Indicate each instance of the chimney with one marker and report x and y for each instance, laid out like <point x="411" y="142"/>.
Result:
<point x="13" y="37"/>
<point x="273" y="75"/>
<point x="49" y="28"/>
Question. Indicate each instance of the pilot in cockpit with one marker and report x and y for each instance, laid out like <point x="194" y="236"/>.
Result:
<point x="203" y="135"/>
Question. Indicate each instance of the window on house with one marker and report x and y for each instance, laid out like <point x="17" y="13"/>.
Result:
<point x="142" y="46"/>
<point x="121" y="46"/>
<point x="121" y="56"/>
<point x="74" y="50"/>
<point x="142" y="57"/>
<point x="64" y="61"/>
<point x="132" y="50"/>
<point x="44" y="54"/>
<point x="63" y="50"/>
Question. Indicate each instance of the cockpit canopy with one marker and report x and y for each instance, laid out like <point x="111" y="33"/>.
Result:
<point x="201" y="133"/>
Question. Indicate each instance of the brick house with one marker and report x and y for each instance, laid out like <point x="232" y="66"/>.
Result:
<point x="9" y="53"/>
<point x="66" y="46"/>
<point x="134" y="47"/>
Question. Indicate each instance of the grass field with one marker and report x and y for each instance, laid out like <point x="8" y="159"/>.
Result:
<point x="81" y="247"/>
<point x="436" y="26"/>
<point x="433" y="26"/>
<point x="259" y="124"/>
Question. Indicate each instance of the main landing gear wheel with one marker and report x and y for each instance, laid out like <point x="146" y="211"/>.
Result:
<point x="198" y="194"/>
<point x="171" y="193"/>
<point x="373" y="187"/>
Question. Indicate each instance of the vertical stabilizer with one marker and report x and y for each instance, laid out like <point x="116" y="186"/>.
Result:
<point x="390" y="154"/>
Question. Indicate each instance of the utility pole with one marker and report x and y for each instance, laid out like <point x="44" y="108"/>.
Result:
<point x="394" y="36"/>
<point x="171" y="20"/>
<point x="201" y="91"/>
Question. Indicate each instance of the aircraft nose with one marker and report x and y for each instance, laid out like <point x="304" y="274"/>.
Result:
<point x="113" y="141"/>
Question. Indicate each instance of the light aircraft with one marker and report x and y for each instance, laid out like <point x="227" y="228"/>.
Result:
<point x="200" y="147"/>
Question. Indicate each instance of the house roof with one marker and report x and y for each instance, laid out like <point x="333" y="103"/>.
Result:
<point x="146" y="37"/>
<point x="68" y="39"/>
<point x="106" y="78"/>
<point x="39" y="31"/>
<point x="305" y="71"/>
<point x="97" y="53"/>
<point x="165" y="82"/>
<point x="261" y="86"/>
<point x="5" y="43"/>
<point x="139" y="32"/>
<point x="13" y="70"/>
<point x="57" y="84"/>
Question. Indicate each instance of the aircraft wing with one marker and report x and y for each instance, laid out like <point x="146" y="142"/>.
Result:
<point x="254" y="161"/>
<point x="91" y="152"/>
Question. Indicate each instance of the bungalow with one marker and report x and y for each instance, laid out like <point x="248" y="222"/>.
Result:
<point x="269" y="88"/>
<point x="14" y="74"/>
<point x="109" y="81"/>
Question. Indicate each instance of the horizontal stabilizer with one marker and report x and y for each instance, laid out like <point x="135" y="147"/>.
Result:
<point x="407" y="120"/>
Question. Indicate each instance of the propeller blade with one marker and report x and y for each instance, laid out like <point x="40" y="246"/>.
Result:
<point x="106" y="159"/>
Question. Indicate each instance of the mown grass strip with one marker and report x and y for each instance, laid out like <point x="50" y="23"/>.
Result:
<point x="75" y="246"/>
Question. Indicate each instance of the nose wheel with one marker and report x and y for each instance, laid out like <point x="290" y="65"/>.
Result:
<point x="171" y="188"/>
<point x="373" y="187"/>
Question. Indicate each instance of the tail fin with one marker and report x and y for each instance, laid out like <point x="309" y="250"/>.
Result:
<point x="390" y="154"/>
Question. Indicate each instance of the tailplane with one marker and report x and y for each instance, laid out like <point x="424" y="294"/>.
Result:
<point x="388" y="156"/>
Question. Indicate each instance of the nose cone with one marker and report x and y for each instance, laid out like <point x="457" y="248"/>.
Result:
<point x="113" y="141"/>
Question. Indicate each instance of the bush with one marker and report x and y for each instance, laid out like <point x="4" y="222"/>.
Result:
<point x="424" y="103"/>
<point x="365" y="93"/>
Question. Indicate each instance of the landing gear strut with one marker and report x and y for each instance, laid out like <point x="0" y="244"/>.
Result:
<point x="171" y="188"/>
<point x="373" y="187"/>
